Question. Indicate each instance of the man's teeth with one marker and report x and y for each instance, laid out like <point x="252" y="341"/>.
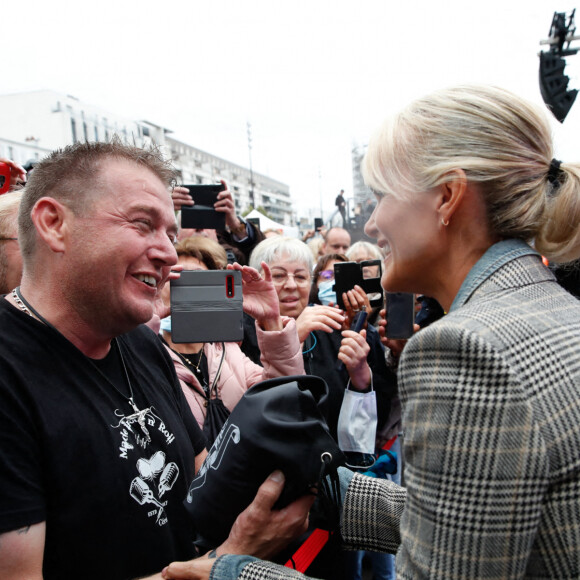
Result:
<point x="149" y="280"/>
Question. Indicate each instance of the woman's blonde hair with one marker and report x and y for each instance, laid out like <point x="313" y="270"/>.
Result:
<point x="502" y="143"/>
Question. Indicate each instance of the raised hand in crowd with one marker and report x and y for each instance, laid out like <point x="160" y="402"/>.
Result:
<point x="260" y="297"/>
<point x="318" y="317"/>
<point x="353" y="352"/>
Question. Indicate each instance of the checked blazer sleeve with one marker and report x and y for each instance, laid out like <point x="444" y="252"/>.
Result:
<point x="476" y="465"/>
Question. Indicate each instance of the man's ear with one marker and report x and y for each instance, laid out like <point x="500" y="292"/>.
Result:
<point x="50" y="217"/>
<point x="452" y="194"/>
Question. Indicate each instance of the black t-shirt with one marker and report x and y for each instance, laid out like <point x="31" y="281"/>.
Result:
<point x="109" y="483"/>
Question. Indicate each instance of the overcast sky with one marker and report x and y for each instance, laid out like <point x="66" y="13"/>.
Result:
<point x="312" y="77"/>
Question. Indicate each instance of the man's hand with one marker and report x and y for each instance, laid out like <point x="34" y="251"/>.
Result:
<point x="225" y="204"/>
<point x="180" y="196"/>
<point x="258" y="531"/>
<point x="325" y="318"/>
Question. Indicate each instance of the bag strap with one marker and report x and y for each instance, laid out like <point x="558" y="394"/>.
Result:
<point x="306" y="553"/>
<point x="217" y="375"/>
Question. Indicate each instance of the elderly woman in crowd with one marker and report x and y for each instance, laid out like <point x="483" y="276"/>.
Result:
<point x="321" y="330"/>
<point x="466" y="182"/>
<point x="209" y="370"/>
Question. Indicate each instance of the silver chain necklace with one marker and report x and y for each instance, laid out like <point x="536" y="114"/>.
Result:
<point x="138" y="415"/>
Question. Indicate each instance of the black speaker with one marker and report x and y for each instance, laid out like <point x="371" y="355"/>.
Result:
<point x="554" y="85"/>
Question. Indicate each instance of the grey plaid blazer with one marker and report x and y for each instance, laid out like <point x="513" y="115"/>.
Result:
<point x="491" y="412"/>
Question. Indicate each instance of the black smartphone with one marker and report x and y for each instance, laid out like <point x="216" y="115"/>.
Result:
<point x="347" y="275"/>
<point x="206" y="306"/>
<point x="400" y="314"/>
<point x="202" y="215"/>
<point x="318" y="223"/>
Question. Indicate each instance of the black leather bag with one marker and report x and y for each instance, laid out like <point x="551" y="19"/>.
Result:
<point x="277" y="424"/>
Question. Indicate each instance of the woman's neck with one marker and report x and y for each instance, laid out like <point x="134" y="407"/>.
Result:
<point x="182" y="347"/>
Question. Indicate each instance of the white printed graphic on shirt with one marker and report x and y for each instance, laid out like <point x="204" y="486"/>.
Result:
<point x="156" y="477"/>
<point x="227" y="435"/>
<point x="136" y="425"/>
<point x="149" y="470"/>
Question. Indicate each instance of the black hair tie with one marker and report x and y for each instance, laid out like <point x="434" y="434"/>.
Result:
<point x="553" y="174"/>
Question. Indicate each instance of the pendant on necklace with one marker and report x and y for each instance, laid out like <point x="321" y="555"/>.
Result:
<point x="132" y="403"/>
<point x="139" y="417"/>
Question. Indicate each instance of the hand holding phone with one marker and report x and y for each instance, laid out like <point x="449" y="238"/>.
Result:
<point x="207" y="306"/>
<point x="356" y="325"/>
<point x="400" y="315"/>
<point x="203" y="215"/>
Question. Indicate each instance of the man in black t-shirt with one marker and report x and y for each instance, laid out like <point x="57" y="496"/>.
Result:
<point x="97" y="443"/>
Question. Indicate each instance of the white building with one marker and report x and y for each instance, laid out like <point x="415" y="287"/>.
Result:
<point x="34" y="123"/>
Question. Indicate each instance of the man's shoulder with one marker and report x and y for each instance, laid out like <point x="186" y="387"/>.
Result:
<point x="142" y="343"/>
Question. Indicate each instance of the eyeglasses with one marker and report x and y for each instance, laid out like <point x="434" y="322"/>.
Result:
<point x="280" y="278"/>
<point x="326" y="274"/>
<point x="6" y="239"/>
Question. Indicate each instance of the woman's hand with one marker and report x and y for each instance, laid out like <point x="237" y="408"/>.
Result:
<point x="259" y="530"/>
<point x="260" y="296"/>
<point x="325" y="318"/>
<point x="353" y="352"/>
<point x="355" y="300"/>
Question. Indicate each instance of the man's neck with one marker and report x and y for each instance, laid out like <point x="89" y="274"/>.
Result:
<point x="68" y="323"/>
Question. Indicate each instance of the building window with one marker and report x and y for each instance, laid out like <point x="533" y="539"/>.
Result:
<point x="85" y="131"/>
<point x="73" y="127"/>
<point x="96" y="133"/>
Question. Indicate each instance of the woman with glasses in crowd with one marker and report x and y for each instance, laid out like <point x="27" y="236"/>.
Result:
<point x="323" y="330"/>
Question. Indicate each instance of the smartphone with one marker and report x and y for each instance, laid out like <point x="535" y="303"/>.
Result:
<point x="206" y="306"/>
<point x="318" y="223"/>
<point x="254" y="221"/>
<point x="400" y="314"/>
<point x="347" y="275"/>
<point x="202" y="215"/>
<point x="4" y="177"/>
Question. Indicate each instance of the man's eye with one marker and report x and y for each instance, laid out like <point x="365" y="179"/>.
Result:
<point x="144" y="224"/>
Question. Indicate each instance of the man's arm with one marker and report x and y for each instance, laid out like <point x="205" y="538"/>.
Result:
<point x="21" y="553"/>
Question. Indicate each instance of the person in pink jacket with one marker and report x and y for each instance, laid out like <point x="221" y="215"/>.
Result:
<point x="209" y="369"/>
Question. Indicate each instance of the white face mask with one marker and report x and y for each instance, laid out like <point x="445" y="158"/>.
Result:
<point x="326" y="294"/>
<point x="357" y="422"/>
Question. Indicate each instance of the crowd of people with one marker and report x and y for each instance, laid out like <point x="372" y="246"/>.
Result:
<point x="104" y="417"/>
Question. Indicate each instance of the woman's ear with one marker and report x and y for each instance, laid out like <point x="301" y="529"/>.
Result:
<point x="452" y="195"/>
<point x="50" y="218"/>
